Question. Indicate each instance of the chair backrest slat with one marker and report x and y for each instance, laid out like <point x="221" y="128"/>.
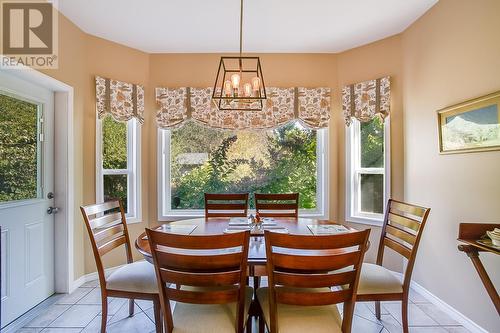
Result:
<point x="408" y="208"/>
<point x="108" y="232"/>
<point x="200" y="263"/>
<point x="202" y="297"/>
<point x="315" y="263"/>
<point x="105" y="220"/>
<point x="107" y="229"/>
<point x="226" y="205"/>
<point x="209" y="269"/>
<point x="111" y="245"/>
<point x="311" y="298"/>
<point x="203" y="243"/>
<point x="277" y="204"/>
<point x="102" y="207"/>
<point x="303" y="270"/>
<point x="398" y="247"/>
<point x="396" y="219"/>
<point x="401" y="232"/>
<point x="301" y="242"/>
<point x="200" y="279"/>
<point x="314" y="280"/>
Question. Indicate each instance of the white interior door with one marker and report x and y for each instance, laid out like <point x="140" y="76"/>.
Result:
<point x="26" y="179"/>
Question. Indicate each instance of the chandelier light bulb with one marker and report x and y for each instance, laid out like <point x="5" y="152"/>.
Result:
<point x="227" y="88"/>
<point x="256" y="83"/>
<point x="235" y="79"/>
<point x="247" y="89"/>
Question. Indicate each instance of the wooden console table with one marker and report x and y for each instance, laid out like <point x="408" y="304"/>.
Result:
<point x="469" y="234"/>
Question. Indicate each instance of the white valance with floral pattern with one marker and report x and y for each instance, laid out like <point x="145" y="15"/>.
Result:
<point x="311" y="106"/>
<point x="122" y="100"/>
<point x="366" y="100"/>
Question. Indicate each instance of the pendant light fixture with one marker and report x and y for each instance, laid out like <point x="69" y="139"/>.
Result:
<point x="239" y="84"/>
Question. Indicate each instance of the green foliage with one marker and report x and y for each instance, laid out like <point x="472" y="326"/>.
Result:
<point x="372" y="143"/>
<point x="115" y="187"/>
<point x="294" y="150"/>
<point x="18" y="149"/>
<point x="114" y="150"/>
<point x="277" y="161"/>
<point x="114" y="144"/>
<point x="372" y="156"/>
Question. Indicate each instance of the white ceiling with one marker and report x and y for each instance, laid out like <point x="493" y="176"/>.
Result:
<point x="173" y="26"/>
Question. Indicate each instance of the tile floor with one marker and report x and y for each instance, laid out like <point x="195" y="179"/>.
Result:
<point x="81" y="312"/>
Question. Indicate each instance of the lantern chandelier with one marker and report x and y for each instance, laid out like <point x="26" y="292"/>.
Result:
<point x="239" y="84"/>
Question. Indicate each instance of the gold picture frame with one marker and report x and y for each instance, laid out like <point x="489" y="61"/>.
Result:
<point x="470" y="126"/>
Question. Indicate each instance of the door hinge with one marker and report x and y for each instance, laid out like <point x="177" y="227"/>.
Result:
<point x="41" y="137"/>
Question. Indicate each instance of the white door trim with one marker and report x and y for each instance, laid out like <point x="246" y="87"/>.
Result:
<point x="64" y="169"/>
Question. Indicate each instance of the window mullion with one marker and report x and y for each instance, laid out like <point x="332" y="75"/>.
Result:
<point x="116" y="172"/>
<point x="371" y="171"/>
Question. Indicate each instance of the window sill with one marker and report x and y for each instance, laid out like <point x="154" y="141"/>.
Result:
<point x="364" y="220"/>
<point x="133" y="219"/>
<point x="183" y="215"/>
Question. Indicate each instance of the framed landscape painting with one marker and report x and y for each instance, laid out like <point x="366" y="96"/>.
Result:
<point x="470" y="126"/>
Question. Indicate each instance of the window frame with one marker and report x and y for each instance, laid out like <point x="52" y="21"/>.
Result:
<point x="40" y="150"/>
<point x="133" y="171"/>
<point x="165" y="213"/>
<point x="354" y="170"/>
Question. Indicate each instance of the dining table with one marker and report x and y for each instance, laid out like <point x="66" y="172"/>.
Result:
<point x="217" y="226"/>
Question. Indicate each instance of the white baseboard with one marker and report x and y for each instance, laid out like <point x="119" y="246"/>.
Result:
<point x="76" y="284"/>
<point x="445" y="307"/>
<point x="91" y="277"/>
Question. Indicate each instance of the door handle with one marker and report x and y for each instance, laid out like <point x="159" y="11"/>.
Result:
<point x="53" y="210"/>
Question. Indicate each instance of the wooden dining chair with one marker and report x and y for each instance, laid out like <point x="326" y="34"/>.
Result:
<point x="211" y="272"/>
<point x="277" y="204"/>
<point x="226" y="205"/>
<point x="401" y="232"/>
<point x="107" y="228"/>
<point x="305" y="274"/>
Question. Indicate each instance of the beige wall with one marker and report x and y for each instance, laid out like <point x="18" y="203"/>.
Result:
<point x="451" y="54"/>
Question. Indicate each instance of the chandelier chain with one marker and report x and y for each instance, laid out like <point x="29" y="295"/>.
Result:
<point x="241" y="27"/>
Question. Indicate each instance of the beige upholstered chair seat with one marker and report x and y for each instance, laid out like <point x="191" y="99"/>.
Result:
<point x="377" y="279"/>
<point x="208" y="318"/>
<point x="139" y="277"/>
<point x="302" y="319"/>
